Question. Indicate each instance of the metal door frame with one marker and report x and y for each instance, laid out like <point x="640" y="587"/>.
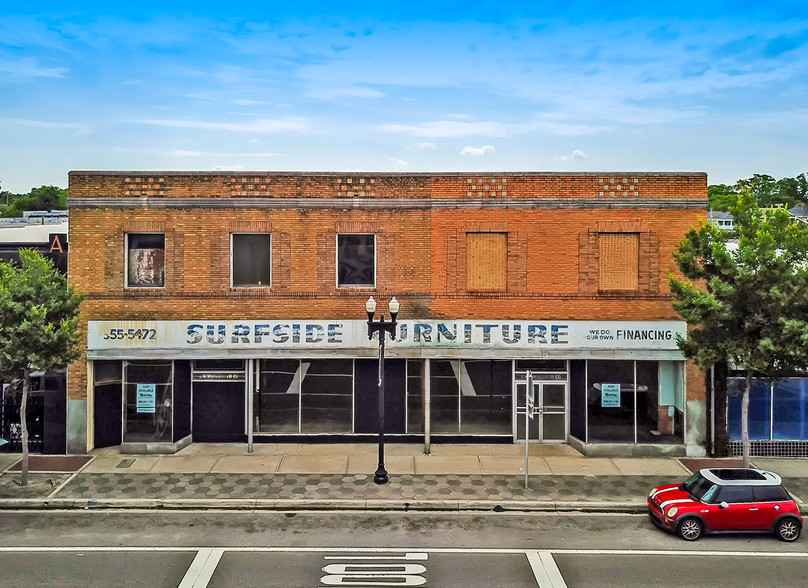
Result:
<point x="519" y="379"/>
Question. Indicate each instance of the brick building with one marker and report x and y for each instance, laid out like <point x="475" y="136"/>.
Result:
<point x="231" y="308"/>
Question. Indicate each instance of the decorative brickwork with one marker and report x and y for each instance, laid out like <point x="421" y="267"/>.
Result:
<point x="145" y="186"/>
<point x="250" y="186"/>
<point x="356" y="186"/>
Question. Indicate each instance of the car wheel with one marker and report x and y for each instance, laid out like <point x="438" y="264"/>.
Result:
<point x="788" y="529"/>
<point x="690" y="529"/>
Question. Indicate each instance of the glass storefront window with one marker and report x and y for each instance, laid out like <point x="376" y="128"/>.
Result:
<point x="790" y="416"/>
<point x="415" y="396"/>
<point x="278" y="406"/>
<point x="759" y="409"/>
<point x="148" y="401"/>
<point x="485" y="397"/>
<point x="444" y="396"/>
<point x="326" y="396"/>
<point x="610" y="401"/>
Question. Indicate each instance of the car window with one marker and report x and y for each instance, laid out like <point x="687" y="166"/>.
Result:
<point x="735" y="494"/>
<point x="708" y="496"/>
<point x="770" y="494"/>
<point x="697" y="485"/>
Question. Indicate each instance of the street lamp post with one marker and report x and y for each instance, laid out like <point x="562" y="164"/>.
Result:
<point x="382" y="327"/>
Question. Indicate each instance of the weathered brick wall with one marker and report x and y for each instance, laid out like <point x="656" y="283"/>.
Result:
<point x="552" y="273"/>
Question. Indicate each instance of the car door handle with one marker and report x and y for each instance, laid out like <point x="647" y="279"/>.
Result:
<point x="752" y="509"/>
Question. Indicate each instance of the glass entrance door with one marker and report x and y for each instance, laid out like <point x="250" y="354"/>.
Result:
<point x="549" y="422"/>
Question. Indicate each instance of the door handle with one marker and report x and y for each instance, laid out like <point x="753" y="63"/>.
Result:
<point x="752" y="509"/>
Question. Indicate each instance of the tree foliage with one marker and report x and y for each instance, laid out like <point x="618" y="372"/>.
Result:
<point x="746" y="305"/>
<point x="38" y="324"/>
<point x="42" y="198"/>
<point x="766" y="191"/>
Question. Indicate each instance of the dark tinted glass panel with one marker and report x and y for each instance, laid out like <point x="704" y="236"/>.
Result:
<point x="769" y="493"/>
<point x="486" y="402"/>
<point x="278" y="401"/>
<point x="759" y="409"/>
<point x="734" y="494"/>
<point x="148" y="399"/>
<point x="444" y="396"/>
<point x="107" y="372"/>
<point x="415" y="396"/>
<point x="737" y="474"/>
<point x="356" y="260"/>
<point x="251" y="260"/>
<point x="542" y="365"/>
<point x="223" y="365"/>
<point x="610" y="400"/>
<point x="791" y="409"/>
<point x="326" y="400"/>
<point x="648" y="402"/>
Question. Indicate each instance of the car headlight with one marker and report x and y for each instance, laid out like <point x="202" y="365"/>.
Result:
<point x="672" y="511"/>
<point x="651" y="493"/>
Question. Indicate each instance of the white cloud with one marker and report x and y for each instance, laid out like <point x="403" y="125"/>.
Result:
<point x="399" y="163"/>
<point x="291" y="124"/>
<point x="470" y="151"/>
<point x="425" y="146"/>
<point x="227" y="168"/>
<point x="78" y="129"/>
<point x="188" y="153"/>
<point x="29" y="68"/>
<point x="255" y="141"/>
<point x="246" y="102"/>
<point x="348" y="92"/>
<point x="452" y="128"/>
<point x="576" y="155"/>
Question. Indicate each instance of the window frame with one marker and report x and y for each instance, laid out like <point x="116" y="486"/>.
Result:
<point x="232" y="265"/>
<point x="127" y="249"/>
<point x="374" y="236"/>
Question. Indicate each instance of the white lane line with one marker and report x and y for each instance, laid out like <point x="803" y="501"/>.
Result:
<point x="201" y="569"/>
<point x="430" y="550"/>
<point x="545" y="569"/>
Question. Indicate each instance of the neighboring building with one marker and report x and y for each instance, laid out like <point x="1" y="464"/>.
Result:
<point x="47" y="404"/>
<point x="231" y="307"/>
<point x="721" y="219"/>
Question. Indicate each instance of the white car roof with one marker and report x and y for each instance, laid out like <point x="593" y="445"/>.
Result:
<point x="740" y="477"/>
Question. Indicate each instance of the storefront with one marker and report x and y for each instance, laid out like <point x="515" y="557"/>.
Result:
<point x="159" y="385"/>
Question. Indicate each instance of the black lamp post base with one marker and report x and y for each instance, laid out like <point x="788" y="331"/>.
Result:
<point x="381" y="476"/>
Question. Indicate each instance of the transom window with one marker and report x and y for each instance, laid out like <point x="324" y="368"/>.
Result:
<point x="251" y="261"/>
<point x="356" y="260"/>
<point x="145" y="260"/>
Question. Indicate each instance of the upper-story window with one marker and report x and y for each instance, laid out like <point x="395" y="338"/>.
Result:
<point x="619" y="261"/>
<point x="356" y="260"/>
<point x="145" y="260"/>
<point x="487" y="262"/>
<point x="251" y="260"/>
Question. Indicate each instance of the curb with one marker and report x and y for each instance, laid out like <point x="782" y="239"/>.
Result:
<point x="299" y="504"/>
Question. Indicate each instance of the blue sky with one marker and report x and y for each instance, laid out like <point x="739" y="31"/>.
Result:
<point x="720" y="87"/>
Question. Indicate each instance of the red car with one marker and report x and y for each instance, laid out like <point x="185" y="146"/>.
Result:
<point x="726" y="499"/>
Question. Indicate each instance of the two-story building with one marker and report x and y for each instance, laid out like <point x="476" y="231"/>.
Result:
<point x="231" y="308"/>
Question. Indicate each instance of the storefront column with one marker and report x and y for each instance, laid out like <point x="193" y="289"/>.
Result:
<point x="426" y="383"/>
<point x="249" y="384"/>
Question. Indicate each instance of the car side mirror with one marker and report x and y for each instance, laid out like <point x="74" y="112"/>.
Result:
<point x="723" y="504"/>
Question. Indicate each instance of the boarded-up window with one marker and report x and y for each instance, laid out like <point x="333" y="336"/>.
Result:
<point x="619" y="261"/>
<point x="487" y="261"/>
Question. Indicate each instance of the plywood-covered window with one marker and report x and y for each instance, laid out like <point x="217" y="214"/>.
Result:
<point x="487" y="261"/>
<point x="619" y="255"/>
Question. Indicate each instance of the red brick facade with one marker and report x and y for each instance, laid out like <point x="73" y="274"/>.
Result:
<point x="552" y="221"/>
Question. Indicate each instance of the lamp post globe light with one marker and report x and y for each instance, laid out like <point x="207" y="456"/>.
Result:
<point x="382" y="327"/>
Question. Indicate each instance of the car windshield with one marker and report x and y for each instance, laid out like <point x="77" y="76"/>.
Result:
<point x="699" y="487"/>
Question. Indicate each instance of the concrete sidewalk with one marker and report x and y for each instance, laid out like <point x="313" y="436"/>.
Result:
<point x="340" y="476"/>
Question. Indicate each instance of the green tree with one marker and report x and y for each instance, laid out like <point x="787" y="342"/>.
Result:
<point x="38" y="326"/>
<point x="721" y="196"/>
<point x="746" y="306"/>
<point x="42" y="198"/>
